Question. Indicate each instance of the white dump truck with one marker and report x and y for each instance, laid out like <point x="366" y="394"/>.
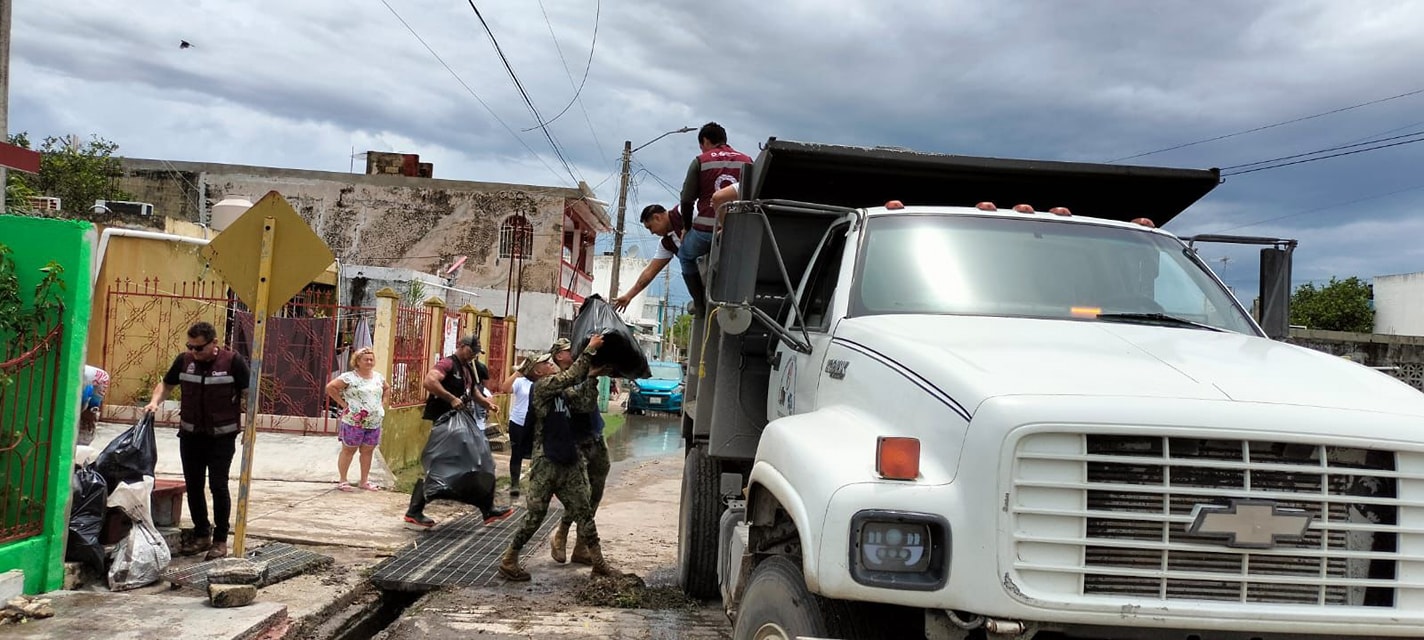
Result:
<point x="910" y="416"/>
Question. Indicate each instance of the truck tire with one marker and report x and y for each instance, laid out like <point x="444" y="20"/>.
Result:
<point x="699" y="525"/>
<point x="778" y="606"/>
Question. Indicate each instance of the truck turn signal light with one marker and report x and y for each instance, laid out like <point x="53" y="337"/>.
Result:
<point x="894" y="204"/>
<point x="897" y="458"/>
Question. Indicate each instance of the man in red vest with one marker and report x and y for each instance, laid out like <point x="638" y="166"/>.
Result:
<point x="214" y="383"/>
<point x="718" y="166"/>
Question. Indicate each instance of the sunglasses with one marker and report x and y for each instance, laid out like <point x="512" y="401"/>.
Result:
<point x="199" y="347"/>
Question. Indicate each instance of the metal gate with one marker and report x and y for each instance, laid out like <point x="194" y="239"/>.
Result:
<point x="29" y="405"/>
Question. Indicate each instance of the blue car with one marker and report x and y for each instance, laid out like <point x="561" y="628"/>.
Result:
<point x="661" y="392"/>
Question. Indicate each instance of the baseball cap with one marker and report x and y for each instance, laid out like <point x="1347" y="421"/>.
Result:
<point x="562" y="344"/>
<point x="471" y="341"/>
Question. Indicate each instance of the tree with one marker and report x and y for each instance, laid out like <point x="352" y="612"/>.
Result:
<point x="681" y="331"/>
<point x="1341" y="305"/>
<point x="77" y="174"/>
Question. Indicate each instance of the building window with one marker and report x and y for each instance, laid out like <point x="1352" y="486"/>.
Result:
<point x="516" y="238"/>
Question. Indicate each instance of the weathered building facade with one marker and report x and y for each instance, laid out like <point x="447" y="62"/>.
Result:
<point x="527" y="250"/>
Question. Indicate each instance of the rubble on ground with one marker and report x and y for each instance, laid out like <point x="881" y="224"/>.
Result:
<point x="25" y="608"/>
<point x="630" y="592"/>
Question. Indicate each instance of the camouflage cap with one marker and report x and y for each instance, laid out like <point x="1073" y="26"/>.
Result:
<point x="562" y="344"/>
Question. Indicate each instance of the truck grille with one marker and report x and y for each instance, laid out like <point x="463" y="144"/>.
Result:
<point x="1109" y="515"/>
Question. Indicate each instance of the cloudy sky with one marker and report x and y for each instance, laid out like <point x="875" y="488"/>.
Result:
<point x="303" y="83"/>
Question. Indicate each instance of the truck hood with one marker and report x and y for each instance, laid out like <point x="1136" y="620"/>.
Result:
<point x="976" y="358"/>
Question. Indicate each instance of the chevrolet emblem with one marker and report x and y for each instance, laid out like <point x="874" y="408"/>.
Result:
<point x="1249" y="524"/>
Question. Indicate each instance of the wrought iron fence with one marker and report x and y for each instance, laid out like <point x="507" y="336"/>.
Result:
<point x="29" y="405"/>
<point x="410" y="356"/>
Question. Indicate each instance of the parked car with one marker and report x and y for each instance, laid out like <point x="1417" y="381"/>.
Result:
<point x="661" y="392"/>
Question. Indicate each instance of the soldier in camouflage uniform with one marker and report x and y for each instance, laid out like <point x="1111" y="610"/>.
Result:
<point x="588" y="429"/>
<point x="557" y="469"/>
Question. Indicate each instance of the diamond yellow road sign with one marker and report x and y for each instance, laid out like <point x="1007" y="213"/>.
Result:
<point x="298" y="253"/>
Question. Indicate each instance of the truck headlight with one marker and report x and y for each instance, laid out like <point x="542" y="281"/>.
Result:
<point x="899" y="550"/>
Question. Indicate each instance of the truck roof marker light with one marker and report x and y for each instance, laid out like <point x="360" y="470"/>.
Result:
<point x="986" y="206"/>
<point x="1060" y="211"/>
<point x="1146" y="222"/>
<point x="1023" y="208"/>
<point x="894" y="205"/>
<point x="1086" y="312"/>
<point x="897" y="458"/>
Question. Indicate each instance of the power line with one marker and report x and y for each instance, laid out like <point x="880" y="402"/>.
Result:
<point x="676" y="193"/>
<point x="1319" y="151"/>
<point x="578" y="90"/>
<point x="1419" y="138"/>
<point x="523" y="93"/>
<point x="1270" y="126"/>
<point x="1322" y="208"/>
<point x="471" y="91"/>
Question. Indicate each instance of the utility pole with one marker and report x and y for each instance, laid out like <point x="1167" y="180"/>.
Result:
<point x="622" y="210"/>
<point x="4" y="90"/>
<point x="662" y="312"/>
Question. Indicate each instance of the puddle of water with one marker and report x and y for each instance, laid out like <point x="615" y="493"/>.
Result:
<point x="645" y="437"/>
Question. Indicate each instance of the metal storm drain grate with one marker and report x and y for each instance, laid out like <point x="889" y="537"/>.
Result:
<point x="283" y="561"/>
<point x="462" y="553"/>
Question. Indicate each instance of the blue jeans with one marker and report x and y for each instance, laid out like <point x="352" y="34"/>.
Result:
<point x="695" y="244"/>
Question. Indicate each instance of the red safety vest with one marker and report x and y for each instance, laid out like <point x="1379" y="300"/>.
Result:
<point x="211" y="402"/>
<point x="720" y="166"/>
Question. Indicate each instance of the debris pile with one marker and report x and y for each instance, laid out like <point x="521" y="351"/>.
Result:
<point x="24" y="609"/>
<point x="630" y="592"/>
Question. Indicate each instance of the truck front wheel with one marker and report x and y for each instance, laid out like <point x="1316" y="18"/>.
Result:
<point x="699" y="525"/>
<point x="778" y="606"/>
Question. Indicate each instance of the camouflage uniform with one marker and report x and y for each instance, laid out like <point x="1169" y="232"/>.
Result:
<point x="548" y="478"/>
<point x="593" y="451"/>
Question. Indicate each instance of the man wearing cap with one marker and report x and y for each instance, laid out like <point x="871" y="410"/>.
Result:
<point x="558" y="471"/>
<point x="451" y="383"/>
<point x="670" y="228"/>
<point x="587" y="425"/>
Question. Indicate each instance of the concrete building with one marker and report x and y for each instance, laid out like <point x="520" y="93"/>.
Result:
<point x="519" y="250"/>
<point x="1399" y="304"/>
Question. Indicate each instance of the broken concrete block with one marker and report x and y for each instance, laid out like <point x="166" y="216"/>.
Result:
<point x="237" y="571"/>
<point x="12" y="585"/>
<point x="231" y="595"/>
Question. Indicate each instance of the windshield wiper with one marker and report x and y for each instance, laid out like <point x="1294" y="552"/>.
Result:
<point x="1156" y="318"/>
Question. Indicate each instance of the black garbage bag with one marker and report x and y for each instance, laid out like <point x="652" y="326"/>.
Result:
<point x="131" y="456"/>
<point x="459" y="464"/>
<point x="86" y="518"/>
<point x="620" y="348"/>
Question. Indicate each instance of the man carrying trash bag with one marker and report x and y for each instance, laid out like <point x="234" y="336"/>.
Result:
<point x="451" y="385"/>
<point x="558" y="470"/>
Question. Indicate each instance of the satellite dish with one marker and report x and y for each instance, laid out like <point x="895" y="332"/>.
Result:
<point x="734" y="320"/>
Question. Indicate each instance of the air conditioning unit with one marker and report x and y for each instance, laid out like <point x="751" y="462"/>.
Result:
<point x="122" y="207"/>
<point x="44" y="203"/>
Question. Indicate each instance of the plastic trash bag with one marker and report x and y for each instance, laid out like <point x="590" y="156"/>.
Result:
<point x="620" y="348"/>
<point x="139" y="559"/>
<point x="459" y="464"/>
<point x="130" y="457"/>
<point x="86" y="518"/>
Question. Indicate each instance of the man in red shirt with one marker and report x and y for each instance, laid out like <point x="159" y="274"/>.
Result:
<point x="717" y="166"/>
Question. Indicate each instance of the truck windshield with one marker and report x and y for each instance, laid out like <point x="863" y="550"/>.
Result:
<point x="1031" y="267"/>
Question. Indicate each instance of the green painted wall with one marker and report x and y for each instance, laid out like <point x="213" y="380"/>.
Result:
<point x="403" y="436"/>
<point x="35" y="242"/>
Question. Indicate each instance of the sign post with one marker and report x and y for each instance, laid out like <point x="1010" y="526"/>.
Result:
<point x="289" y="255"/>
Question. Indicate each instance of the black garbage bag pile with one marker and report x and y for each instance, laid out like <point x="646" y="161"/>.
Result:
<point x="619" y="349"/>
<point x="130" y="457"/>
<point x="459" y="464"/>
<point x="86" y="518"/>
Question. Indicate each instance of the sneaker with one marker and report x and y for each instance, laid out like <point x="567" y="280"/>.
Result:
<point x="418" y="523"/>
<point x="498" y="513"/>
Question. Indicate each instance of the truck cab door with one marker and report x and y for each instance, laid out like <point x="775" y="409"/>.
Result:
<point x="796" y="376"/>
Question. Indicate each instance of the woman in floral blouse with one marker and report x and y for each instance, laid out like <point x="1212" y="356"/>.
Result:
<point x="362" y="395"/>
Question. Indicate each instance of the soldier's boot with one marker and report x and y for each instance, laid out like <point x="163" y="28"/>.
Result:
<point x="560" y="543"/>
<point x="509" y="567"/>
<point x="580" y="554"/>
<point x="600" y="565"/>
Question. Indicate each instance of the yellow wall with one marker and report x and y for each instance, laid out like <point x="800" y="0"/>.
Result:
<point x="144" y="346"/>
<point x="403" y="436"/>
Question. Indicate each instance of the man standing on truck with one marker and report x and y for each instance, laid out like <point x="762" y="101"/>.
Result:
<point x="718" y="165"/>
<point x="557" y="470"/>
<point x="670" y="228"/>
<point x="587" y="424"/>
